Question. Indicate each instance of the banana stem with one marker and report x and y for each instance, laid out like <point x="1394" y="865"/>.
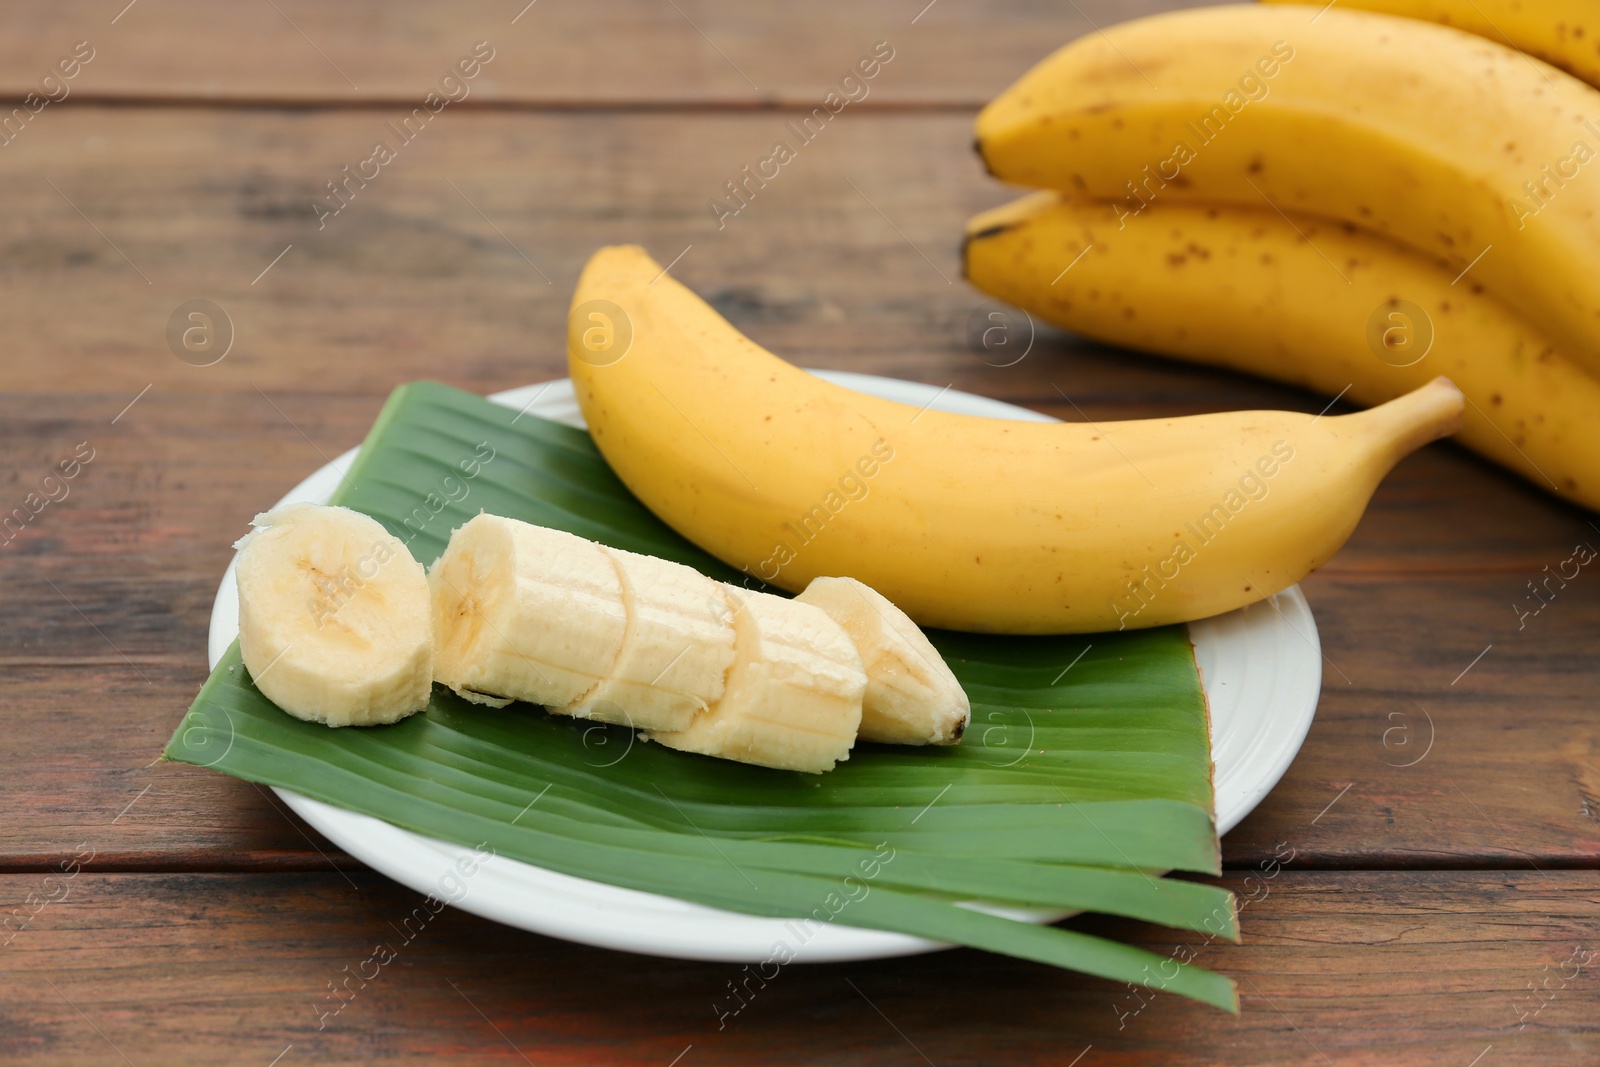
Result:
<point x="1408" y="422"/>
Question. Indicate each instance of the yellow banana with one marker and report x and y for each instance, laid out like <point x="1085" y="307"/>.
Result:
<point x="964" y="522"/>
<point x="1461" y="148"/>
<point x="1300" y="300"/>
<point x="1560" y="32"/>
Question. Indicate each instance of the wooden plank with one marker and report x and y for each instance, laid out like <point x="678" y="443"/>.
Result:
<point x="82" y="751"/>
<point x="1391" y="969"/>
<point x="826" y="265"/>
<point x="1436" y="711"/>
<point x="409" y="281"/>
<point x="177" y="478"/>
<point x="1511" y="778"/>
<point x="458" y="260"/>
<point x="693" y="52"/>
<point x="127" y="566"/>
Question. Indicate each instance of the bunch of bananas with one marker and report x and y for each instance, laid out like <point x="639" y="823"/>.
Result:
<point x="1351" y="201"/>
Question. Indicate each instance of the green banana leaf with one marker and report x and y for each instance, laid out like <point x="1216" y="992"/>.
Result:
<point x="1085" y="774"/>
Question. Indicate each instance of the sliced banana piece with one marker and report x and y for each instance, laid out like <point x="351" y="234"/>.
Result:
<point x="521" y="612"/>
<point x="677" y="650"/>
<point x="793" y="696"/>
<point x="912" y="697"/>
<point x="334" y="623"/>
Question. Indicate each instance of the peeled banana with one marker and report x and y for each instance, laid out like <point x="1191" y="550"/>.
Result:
<point x="333" y="617"/>
<point x="677" y="651"/>
<point x="1464" y="149"/>
<point x="911" y="696"/>
<point x="527" y="613"/>
<point x="1248" y="289"/>
<point x="1560" y="32"/>
<point x="964" y="522"/>
<point x="338" y="624"/>
<point x="524" y="612"/>
<point x="793" y="698"/>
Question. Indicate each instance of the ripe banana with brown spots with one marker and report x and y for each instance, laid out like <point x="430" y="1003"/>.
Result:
<point x="1299" y="300"/>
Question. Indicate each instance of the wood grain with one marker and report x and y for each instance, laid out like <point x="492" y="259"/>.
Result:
<point x="1349" y="968"/>
<point x="1444" y="814"/>
<point x="826" y="265"/>
<point x="127" y="566"/>
<point x="692" y="52"/>
<point x="1509" y="781"/>
<point x="458" y="260"/>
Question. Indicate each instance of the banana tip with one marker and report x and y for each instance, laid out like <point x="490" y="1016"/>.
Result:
<point x="977" y="146"/>
<point x="1409" y="421"/>
<point x="976" y="235"/>
<point x="1450" y="403"/>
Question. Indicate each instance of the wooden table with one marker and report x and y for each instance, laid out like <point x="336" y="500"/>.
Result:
<point x="1444" y="815"/>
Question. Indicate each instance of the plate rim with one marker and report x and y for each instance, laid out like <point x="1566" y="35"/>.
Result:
<point x="529" y="897"/>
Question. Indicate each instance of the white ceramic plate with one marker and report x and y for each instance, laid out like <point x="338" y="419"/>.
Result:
<point x="1261" y="668"/>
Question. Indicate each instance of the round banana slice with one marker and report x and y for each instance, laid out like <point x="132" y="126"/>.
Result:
<point x="334" y="625"/>
<point x="912" y="697"/>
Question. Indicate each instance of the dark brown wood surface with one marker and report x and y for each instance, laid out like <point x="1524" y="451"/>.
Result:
<point x="1445" y="810"/>
<point x="578" y="54"/>
<point x="1350" y="968"/>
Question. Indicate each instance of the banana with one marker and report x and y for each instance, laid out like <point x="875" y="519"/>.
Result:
<point x="333" y="617"/>
<point x="1560" y="32"/>
<point x="1464" y="149"/>
<point x="545" y="616"/>
<point x="912" y="698"/>
<point x="793" y="698"/>
<point x="1250" y="290"/>
<point x="964" y="522"/>
<point x="337" y="624"/>
<point x="676" y="653"/>
<point x="523" y="612"/>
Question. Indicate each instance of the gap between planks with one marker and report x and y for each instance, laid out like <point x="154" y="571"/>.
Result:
<point x="797" y="106"/>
